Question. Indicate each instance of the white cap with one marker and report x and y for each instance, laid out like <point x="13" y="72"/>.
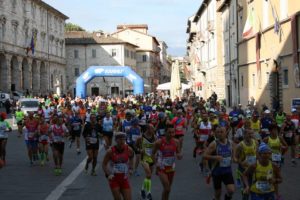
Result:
<point x="294" y="109"/>
<point x="267" y="111"/>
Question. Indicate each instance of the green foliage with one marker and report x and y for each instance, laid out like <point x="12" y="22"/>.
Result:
<point x="73" y="27"/>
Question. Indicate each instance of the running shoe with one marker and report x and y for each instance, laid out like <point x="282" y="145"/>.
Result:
<point x="143" y="194"/>
<point x="136" y="173"/>
<point x="56" y="172"/>
<point x="93" y="173"/>
<point x="59" y="171"/>
<point x="149" y="196"/>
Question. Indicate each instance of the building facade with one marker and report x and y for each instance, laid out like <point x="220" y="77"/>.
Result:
<point x="203" y="51"/>
<point x="165" y="72"/>
<point x="32" y="47"/>
<point x="147" y="54"/>
<point x="85" y="49"/>
<point x="268" y="64"/>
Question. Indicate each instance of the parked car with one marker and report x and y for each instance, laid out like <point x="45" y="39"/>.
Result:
<point x="17" y="95"/>
<point x="28" y="105"/>
<point x="4" y="97"/>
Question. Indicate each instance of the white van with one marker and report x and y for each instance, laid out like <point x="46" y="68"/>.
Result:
<point x="28" y="105"/>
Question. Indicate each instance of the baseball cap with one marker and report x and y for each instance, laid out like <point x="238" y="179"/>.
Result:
<point x="120" y="135"/>
<point x="294" y="110"/>
<point x="264" y="148"/>
<point x="267" y="111"/>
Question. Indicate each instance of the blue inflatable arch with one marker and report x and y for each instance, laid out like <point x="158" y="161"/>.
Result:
<point x="108" y="71"/>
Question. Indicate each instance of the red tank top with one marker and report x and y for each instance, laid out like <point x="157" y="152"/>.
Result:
<point x="31" y="125"/>
<point x="57" y="131"/>
<point x="44" y="128"/>
<point x="167" y="155"/>
<point x="120" y="160"/>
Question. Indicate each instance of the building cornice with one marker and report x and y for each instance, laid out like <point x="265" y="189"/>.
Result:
<point x="51" y="9"/>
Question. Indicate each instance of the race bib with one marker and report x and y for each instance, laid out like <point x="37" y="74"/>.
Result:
<point x="44" y="137"/>
<point x="257" y="136"/>
<point x="263" y="186"/>
<point x="93" y="140"/>
<point x="276" y="157"/>
<point x="127" y="128"/>
<point x="179" y="128"/>
<point x="289" y="134"/>
<point x="161" y="132"/>
<point x="168" y="161"/>
<point x="134" y="137"/>
<point x="203" y="138"/>
<point x="58" y="139"/>
<point x="251" y="160"/>
<point x="31" y="135"/>
<point x="120" y="168"/>
<point x="225" y="162"/>
<point x="148" y="151"/>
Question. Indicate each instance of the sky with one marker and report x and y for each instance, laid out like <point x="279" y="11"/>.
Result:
<point x="166" y="19"/>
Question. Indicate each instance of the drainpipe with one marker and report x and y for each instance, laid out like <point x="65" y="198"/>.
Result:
<point x="230" y="73"/>
<point x="237" y="52"/>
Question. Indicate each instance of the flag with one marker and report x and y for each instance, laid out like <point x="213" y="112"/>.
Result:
<point x="249" y="26"/>
<point x="276" y="21"/>
<point x="32" y="44"/>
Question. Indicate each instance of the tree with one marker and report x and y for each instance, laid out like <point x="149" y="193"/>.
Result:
<point x="73" y="27"/>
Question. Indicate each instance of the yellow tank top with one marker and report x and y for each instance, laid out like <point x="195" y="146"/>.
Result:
<point x="274" y="144"/>
<point x="255" y="126"/>
<point x="249" y="152"/>
<point x="261" y="176"/>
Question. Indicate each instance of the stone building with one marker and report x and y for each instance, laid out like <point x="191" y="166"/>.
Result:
<point x="147" y="53"/>
<point x="85" y="49"/>
<point x="32" y="47"/>
<point x="166" y="65"/>
<point x="268" y="61"/>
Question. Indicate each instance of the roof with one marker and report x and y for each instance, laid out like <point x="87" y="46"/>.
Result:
<point x="50" y="8"/>
<point x="85" y="38"/>
<point x="121" y="26"/>
<point x="121" y="30"/>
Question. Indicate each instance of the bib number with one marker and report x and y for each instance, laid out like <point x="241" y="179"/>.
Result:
<point x="44" y="138"/>
<point x="203" y="138"/>
<point x="134" y="137"/>
<point x="263" y="186"/>
<point x="251" y="160"/>
<point x="148" y="151"/>
<point x="226" y="162"/>
<point x="120" y="168"/>
<point x="58" y="139"/>
<point x="92" y="140"/>
<point x="276" y="157"/>
<point x="289" y="134"/>
<point x="169" y="161"/>
<point x="31" y="135"/>
<point x="76" y="128"/>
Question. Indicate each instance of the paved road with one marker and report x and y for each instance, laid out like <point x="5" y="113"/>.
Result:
<point x="20" y="181"/>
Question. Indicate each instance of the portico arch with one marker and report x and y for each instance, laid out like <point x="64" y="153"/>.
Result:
<point x="15" y="75"/>
<point x="108" y="71"/>
<point x="3" y="73"/>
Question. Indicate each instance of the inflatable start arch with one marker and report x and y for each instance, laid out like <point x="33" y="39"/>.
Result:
<point x="108" y="71"/>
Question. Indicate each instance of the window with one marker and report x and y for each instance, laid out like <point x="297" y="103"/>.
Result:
<point x="94" y="53"/>
<point x="286" y="77"/>
<point x="76" y="72"/>
<point x="144" y="58"/>
<point x="51" y="80"/>
<point x="242" y="81"/>
<point x="75" y="53"/>
<point x="126" y="53"/>
<point x="113" y="52"/>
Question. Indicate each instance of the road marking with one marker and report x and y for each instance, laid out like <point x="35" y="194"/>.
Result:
<point x="61" y="188"/>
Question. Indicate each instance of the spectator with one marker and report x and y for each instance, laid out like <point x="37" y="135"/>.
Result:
<point x="7" y="106"/>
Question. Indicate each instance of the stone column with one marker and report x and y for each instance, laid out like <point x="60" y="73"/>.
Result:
<point x="7" y="86"/>
<point x="36" y="78"/>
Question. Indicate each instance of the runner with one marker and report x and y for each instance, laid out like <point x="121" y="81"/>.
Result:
<point x="4" y="128"/>
<point x="20" y="120"/>
<point x="245" y="156"/>
<point x="133" y="134"/>
<point x="288" y="131"/>
<point x="30" y="135"/>
<point x="76" y="125"/>
<point x="91" y="133"/>
<point x="167" y="149"/>
<point x="58" y="130"/>
<point x="107" y="130"/>
<point x="264" y="174"/>
<point x="43" y="131"/>
<point x="120" y="157"/>
<point x="277" y="144"/>
<point x="179" y="123"/>
<point x="220" y="152"/>
<point x="146" y="143"/>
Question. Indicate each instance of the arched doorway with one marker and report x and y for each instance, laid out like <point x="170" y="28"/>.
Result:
<point x="3" y="73"/>
<point x="15" y="77"/>
<point x="35" y="78"/>
<point x="108" y="71"/>
<point x="43" y="78"/>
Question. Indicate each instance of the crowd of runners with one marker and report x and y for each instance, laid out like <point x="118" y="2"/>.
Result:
<point x="149" y="131"/>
